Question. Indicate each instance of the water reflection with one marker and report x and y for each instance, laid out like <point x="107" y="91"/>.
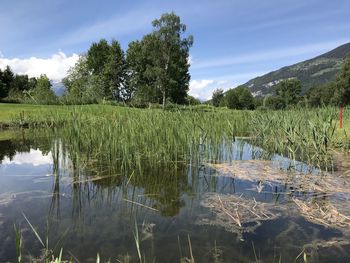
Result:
<point x="98" y="201"/>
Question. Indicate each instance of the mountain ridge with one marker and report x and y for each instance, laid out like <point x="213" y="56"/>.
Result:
<point x="312" y="72"/>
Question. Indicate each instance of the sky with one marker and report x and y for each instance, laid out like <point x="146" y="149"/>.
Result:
<point x="234" y="40"/>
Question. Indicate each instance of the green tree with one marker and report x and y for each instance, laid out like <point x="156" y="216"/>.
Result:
<point x="105" y="64"/>
<point x="97" y="56"/>
<point x="321" y="95"/>
<point x="239" y="98"/>
<point x="82" y="86"/>
<point x="289" y="90"/>
<point x="6" y="78"/>
<point x="158" y="64"/>
<point x="231" y="99"/>
<point x="274" y="102"/>
<point x="114" y="72"/>
<point x="42" y="92"/>
<point x="245" y="98"/>
<point x="342" y="83"/>
<point x="217" y="97"/>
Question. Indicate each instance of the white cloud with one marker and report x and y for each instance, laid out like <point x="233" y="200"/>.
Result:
<point x="55" y="67"/>
<point x="200" y="84"/>
<point x="34" y="157"/>
<point x="203" y="89"/>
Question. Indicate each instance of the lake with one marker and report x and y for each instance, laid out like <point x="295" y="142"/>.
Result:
<point x="250" y="205"/>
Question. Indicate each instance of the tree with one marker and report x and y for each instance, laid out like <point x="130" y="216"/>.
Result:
<point x="42" y="92"/>
<point x="101" y="71"/>
<point x="239" y="98"/>
<point x="231" y="99"/>
<point x="159" y="62"/>
<point x="97" y="56"/>
<point x="217" y="97"/>
<point x="192" y="100"/>
<point x="81" y="85"/>
<point x="114" y="72"/>
<point x="6" y="78"/>
<point x="342" y="83"/>
<point x="245" y="98"/>
<point x="321" y="95"/>
<point x="289" y="90"/>
<point x="274" y="102"/>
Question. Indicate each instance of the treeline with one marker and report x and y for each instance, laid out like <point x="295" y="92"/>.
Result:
<point x="21" y="88"/>
<point x="154" y="69"/>
<point x="288" y="93"/>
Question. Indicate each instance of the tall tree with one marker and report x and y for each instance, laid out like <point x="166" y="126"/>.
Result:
<point x="217" y="97"/>
<point x="114" y="72"/>
<point x="289" y="90"/>
<point x="158" y="64"/>
<point x="81" y="85"/>
<point x="342" y="91"/>
<point x="97" y="56"/>
<point x="172" y="65"/>
<point x="245" y="98"/>
<point x="7" y="77"/>
<point x="106" y="63"/>
<point x="42" y="92"/>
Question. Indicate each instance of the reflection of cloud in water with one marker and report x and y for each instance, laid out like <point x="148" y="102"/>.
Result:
<point x="34" y="157"/>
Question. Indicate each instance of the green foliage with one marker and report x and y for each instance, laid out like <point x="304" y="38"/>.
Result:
<point x="42" y="92"/>
<point x="82" y="87"/>
<point x="192" y="100"/>
<point x="321" y="95"/>
<point x="333" y="93"/>
<point x="289" y="90"/>
<point x="274" y="102"/>
<point x="239" y="98"/>
<point x="231" y="99"/>
<point x="153" y="70"/>
<point x="158" y="64"/>
<point x="100" y="74"/>
<point x="6" y="78"/>
<point x="342" y="94"/>
<point x="217" y="97"/>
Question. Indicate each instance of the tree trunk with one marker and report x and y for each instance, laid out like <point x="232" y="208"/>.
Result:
<point x="163" y="100"/>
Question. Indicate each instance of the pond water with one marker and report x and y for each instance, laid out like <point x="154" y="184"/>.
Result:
<point x="94" y="209"/>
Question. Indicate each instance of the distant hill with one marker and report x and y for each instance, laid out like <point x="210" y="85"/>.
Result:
<point x="316" y="71"/>
<point x="58" y="87"/>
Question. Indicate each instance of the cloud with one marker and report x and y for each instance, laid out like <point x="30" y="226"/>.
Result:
<point x="267" y="55"/>
<point x="203" y="89"/>
<point x="55" y="67"/>
<point x="34" y="157"/>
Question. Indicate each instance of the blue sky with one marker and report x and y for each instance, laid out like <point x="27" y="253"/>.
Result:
<point x="234" y="40"/>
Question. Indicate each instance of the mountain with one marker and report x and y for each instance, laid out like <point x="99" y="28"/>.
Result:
<point x="58" y="87"/>
<point x="316" y="71"/>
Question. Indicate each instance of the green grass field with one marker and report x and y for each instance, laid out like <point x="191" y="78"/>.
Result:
<point x="17" y="114"/>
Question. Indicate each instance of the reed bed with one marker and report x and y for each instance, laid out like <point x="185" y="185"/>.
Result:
<point x="323" y="213"/>
<point x="237" y="214"/>
<point x="132" y="138"/>
<point x="306" y="135"/>
<point x="264" y="172"/>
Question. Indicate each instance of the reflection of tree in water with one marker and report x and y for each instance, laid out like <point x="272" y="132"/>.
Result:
<point x="165" y="186"/>
<point x="24" y="143"/>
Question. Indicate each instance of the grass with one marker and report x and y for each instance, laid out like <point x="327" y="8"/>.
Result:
<point x="132" y="137"/>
